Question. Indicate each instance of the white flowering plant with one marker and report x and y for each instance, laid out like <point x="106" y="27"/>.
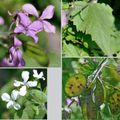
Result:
<point x="24" y="97"/>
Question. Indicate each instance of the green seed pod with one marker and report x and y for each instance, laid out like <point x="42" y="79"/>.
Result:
<point x="115" y="102"/>
<point x="75" y="85"/>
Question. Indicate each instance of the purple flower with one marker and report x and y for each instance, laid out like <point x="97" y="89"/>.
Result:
<point x="1" y="21"/>
<point x="27" y="27"/>
<point x="47" y="14"/>
<point x="14" y="59"/>
<point x="69" y="101"/>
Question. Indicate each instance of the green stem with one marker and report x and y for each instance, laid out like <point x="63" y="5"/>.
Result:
<point x="96" y="72"/>
<point x="111" y="86"/>
<point x="104" y="90"/>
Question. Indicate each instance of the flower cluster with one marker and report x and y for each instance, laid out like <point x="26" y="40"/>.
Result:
<point x="69" y="102"/>
<point x="24" y="25"/>
<point x="14" y="57"/>
<point x="23" y="86"/>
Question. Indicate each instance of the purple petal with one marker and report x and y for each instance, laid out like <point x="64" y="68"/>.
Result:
<point x="13" y="53"/>
<point x="32" y="34"/>
<point x="20" y="58"/>
<point x="15" y="58"/>
<point x="1" y="21"/>
<point x="36" y="26"/>
<point x="19" y="29"/>
<point x="68" y="101"/>
<point x="48" y="27"/>
<point x="48" y="12"/>
<point x="6" y="62"/>
<point x="17" y="42"/>
<point x="24" y="19"/>
<point x="12" y="50"/>
<point x="30" y="9"/>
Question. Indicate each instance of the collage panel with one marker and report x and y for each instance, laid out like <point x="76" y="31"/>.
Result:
<point x="30" y="33"/>
<point x="91" y="89"/>
<point x="90" y="28"/>
<point x="23" y="93"/>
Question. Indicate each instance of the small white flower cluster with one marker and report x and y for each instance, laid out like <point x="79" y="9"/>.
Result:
<point x="11" y="100"/>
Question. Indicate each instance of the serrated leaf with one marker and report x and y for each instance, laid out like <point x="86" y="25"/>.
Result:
<point x="72" y="50"/>
<point x="97" y="20"/>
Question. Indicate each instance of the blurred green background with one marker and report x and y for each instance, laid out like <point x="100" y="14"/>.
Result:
<point x="49" y="45"/>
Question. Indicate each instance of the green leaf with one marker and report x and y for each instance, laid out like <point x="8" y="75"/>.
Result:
<point x="77" y="112"/>
<point x="40" y="111"/>
<point x="18" y="114"/>
<point x="38" y="96"/>
<point x="36" y="53"/>
<point x="105" y="113"/>
<point x="71" y="50"/>
<point x="97" y="20"/>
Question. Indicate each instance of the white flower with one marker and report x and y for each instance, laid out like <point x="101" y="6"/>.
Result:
<point x="67" y="109"/>
<point x="38" y="76"/>
<point x="11" y="100"/>
<point x="76" y="99"/>
<point x="102" y="106"/>
<point x="25" y="83"/>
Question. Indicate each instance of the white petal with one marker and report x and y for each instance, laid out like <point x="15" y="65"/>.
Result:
<point x="35" y="72"/>
<point x="23" y="91"/>
<point x="10" y="104"/>
<point x="76" y="99"/>
<point x="32" y="83"/>
<point x="16" y="106"/>
<point x="41" y="76"/>
<point x="38" y="76"/>
<point x="25" y="76"/>
<point x="67" y="109"/>
<point x="35" y="76"/>
<point x="5" y="97"/>
<point x="102" y="106"/>
<point x="17" y="83"/>
<point x="14" y="95"/>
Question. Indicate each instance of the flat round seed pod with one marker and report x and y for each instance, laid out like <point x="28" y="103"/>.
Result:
<point x="115" y="102"/>
<point x="75" y="85"/>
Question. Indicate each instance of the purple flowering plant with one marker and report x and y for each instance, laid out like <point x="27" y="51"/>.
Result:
<point x="23" y="24"/>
